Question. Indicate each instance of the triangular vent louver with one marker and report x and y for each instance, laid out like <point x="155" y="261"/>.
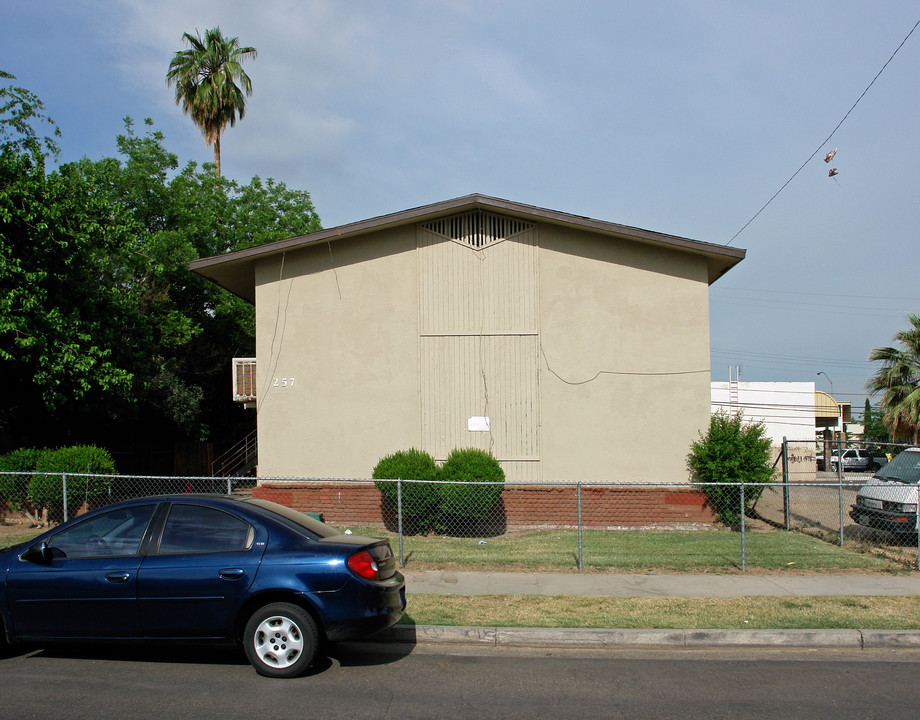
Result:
<point x="477" y="229"/>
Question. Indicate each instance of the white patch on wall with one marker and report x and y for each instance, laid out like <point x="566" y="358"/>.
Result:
<point x="477" y="424"/>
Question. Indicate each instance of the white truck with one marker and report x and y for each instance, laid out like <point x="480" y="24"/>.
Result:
<point x="858" y="460"/>
<point x="888" y="501"/>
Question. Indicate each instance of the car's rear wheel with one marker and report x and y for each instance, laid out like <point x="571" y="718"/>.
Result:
<point x="280" y="640"/>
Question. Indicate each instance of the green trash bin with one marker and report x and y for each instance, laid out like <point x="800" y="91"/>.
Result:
<point x="315" y="516"/>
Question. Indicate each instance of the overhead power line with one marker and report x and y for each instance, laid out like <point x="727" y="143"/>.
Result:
<point x="827" y="139"/>
<point x="849" y="296"/>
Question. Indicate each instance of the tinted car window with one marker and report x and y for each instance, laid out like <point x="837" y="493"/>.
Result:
<point x="315" y="528"/>
<point x="904" y="468"/>
<point x="115" y="533"/>
<point x="195" y="529"/>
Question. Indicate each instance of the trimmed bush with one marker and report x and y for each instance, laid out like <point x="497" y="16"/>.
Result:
<point x="473" y="498"/>
<point x="731" y="453"/>
<point x="13" y="488"/>
<point x="45" y="490"/>
<point x="419" y="500"/>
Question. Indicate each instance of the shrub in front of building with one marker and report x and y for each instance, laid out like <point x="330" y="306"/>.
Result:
<point x="45" y="490"/>
<point x="419" y="499"/>
<point x="472" y="484"/>
<point x="14" y="488"/>
<point x="731" y="453"/>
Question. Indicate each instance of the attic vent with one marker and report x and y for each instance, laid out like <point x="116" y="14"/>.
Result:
<point x="477" y="229"/>
<point x="244" y="380"/>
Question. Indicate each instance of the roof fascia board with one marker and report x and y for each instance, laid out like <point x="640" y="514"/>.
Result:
<point x="721" y="257"/>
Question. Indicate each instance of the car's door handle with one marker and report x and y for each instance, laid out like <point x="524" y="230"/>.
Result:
<point x="231" y="573"/>
<point x="117" y="577"/>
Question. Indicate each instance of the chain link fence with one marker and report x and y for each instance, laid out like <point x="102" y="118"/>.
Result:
<point x="50" y="498"/>
<point x="804" y="520"/>
<point x="852" y="494"/>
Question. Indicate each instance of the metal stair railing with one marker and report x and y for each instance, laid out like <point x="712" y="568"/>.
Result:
<point x="239" y="459"/>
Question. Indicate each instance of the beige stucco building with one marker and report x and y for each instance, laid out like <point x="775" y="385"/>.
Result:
<point x="573" y="349"/>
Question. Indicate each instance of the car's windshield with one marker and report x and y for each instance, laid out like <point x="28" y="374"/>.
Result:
<point x="904" y="468"/>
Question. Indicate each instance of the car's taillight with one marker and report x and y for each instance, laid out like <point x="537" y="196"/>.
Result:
<point x="364" y="565"/>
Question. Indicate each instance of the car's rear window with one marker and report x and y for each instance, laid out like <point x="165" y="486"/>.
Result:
<point x="314" y="526"/>
<point x="195" y="529"/>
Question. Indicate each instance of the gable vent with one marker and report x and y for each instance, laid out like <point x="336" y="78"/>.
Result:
<point x="477" y="229"/>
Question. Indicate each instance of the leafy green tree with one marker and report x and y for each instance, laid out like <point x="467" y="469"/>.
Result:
<point x="875" y="430"/>
<point x="898" y="381"/>
<point x="62" y="312"/>
<point x="20" y="112"/>
<point x="731" y="453"/>
<point x="105" y="335"/>
<point x="211" y="85"/>
<point x="191" y="327"/>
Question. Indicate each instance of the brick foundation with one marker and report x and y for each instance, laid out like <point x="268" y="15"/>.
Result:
<point x="360" y="503"/>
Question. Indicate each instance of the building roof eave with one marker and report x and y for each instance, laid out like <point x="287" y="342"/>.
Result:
<point x="235" y="271"/>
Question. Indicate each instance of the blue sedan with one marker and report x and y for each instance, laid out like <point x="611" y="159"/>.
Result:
<point x="201" y="568"/>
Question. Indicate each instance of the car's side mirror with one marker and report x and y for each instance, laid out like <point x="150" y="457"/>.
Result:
<point x="36" y="553"/>
<point x="41" y="553"/>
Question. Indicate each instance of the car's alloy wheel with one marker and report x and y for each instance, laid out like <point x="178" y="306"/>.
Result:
<point x="280" y="640"/>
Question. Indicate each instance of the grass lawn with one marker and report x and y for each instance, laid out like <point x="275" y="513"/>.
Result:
<point x="656" y="551"/>
<point x="10" y="538"/>
<point x="777" y="613"/>
<point x="639" y="551"/>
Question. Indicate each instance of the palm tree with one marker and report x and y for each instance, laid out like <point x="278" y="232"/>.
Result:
<point x="210" y="83"/>
<point x="899" y="380"/>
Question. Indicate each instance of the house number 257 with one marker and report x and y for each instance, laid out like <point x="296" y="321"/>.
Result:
<point x="283" y="382"/>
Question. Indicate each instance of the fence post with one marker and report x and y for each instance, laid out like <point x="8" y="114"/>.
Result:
<point x="743" y="549"/>
<point x="918" y="530"/>
<point x="840" y="491"/>
<point x="399" y="519"/>
<point x="581" y="564"/>
<point x="64" y="490"/>
<point x="787" y="515"/>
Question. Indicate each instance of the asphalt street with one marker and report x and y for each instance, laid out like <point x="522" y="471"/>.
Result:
<point x="402" y="681"/>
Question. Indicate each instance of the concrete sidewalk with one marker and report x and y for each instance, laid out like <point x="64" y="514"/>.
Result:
<point x="439" y="582"/>
<point x="602" y="585"/>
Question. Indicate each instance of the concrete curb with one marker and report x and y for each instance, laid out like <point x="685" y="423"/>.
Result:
<point x="603" y="638"/>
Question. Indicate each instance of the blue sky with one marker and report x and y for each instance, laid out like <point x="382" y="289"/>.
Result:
<point x="678" y="117"/>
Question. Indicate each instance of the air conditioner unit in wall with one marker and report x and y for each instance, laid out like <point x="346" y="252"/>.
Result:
<point x="244" y="381"/>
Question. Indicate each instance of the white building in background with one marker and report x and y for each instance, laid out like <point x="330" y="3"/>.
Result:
<point x="791" y="410"/>
<point x="787" y="409"/>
